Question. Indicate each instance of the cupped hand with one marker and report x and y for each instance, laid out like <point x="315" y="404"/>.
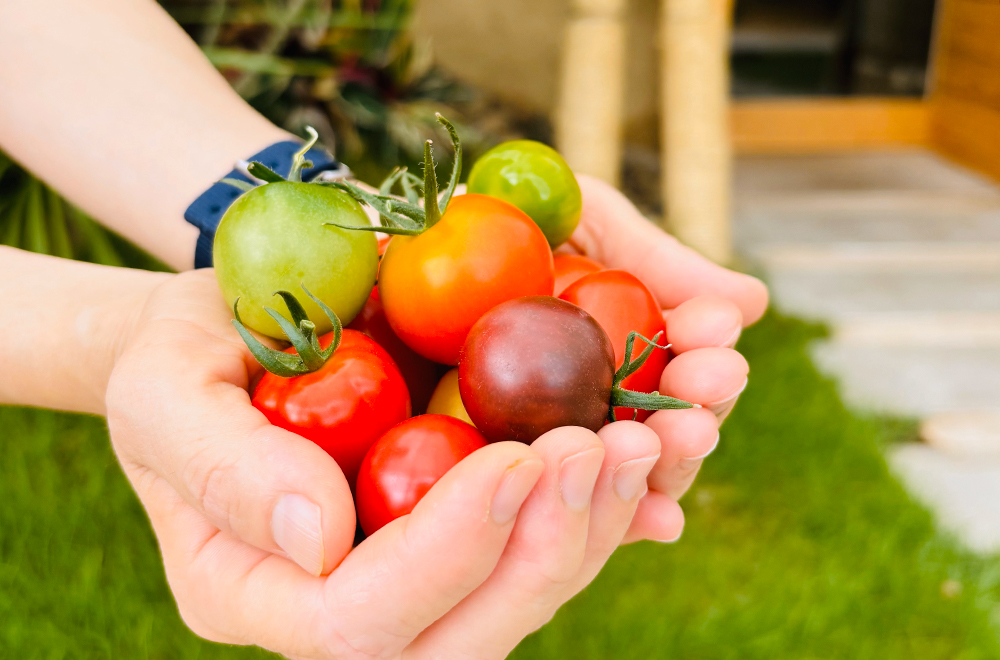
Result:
<point x="706" y="308"/>
<point x="256" y="525"/>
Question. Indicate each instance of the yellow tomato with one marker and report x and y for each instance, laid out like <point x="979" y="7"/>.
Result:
<point x="446" y="400"/>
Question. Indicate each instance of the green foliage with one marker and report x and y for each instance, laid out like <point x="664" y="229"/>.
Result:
<point x="348" y="67"/>
<point x="799" y="544"/>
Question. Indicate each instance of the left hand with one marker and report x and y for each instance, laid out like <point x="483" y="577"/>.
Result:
<point x="707" y="306"/>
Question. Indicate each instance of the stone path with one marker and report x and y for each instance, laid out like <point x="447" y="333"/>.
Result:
<point x="899" y="253"/>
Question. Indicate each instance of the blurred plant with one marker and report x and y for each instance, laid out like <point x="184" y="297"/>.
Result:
<point x="350" y="68"/>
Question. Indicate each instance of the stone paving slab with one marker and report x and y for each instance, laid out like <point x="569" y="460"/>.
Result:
<point x="900" y="254"/>
<point x="832" y="295"/>
<point x="851" y="218"/>
<point x="962" y="493"/>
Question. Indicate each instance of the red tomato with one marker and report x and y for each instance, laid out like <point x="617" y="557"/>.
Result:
<point x="435" y="286"/>
<point x="571" y="267"/>
<point x="621" y="303"/>
<point x="420" y="374"/>
<point x="345" y="406"/>
<point x="405" y="462"/>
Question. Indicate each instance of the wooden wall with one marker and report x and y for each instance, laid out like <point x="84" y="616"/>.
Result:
<point x="965" y="100"/>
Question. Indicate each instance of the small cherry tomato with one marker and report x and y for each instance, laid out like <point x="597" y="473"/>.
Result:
<point x="447" y="400"/>
<point x="419" y="373"/>
<point x="406" y="462"/>
<point x="534" y="364"/>
<point x="345" y="406"/>
<point x="534" y="178"/>
<point x="621" y="303"/>
<point x="571" y="267"/>
<point x="277" y="236"/>
<point x="436" y="285"/>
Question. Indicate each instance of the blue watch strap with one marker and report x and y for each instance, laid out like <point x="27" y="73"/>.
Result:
<point x="207" y="210"/>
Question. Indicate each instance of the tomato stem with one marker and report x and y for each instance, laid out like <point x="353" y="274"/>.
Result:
<point x="623" y="398"/>
<point x="299" y="159"/>
<point x="301" y="332"/>
<point x="406" y="217"/>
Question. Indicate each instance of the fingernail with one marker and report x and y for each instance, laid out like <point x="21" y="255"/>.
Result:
<point x="297" y="525"/>
<point x="673" y="540"/>
<point x="630" y="477"/>
<point x="515" y="485"/>
<point x="710" y="450"/>
<point x="724" y="407"/>
<point x="577" y="477"/>
<point x="731" y="342"/>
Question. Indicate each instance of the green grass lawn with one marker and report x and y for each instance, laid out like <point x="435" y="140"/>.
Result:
<point x="798" y="544"/>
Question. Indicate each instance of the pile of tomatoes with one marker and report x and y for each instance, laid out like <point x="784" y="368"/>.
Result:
<point x="461" y="317"/>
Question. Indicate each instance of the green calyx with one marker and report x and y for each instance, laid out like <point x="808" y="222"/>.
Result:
<point x="404" y="215"/>
<point x="267" y="175"/>
<point x="301" y="332"/>
<point x="622" y="398"/>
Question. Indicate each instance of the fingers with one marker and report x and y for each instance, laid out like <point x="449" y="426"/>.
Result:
<point x="686" y="437"/>
<point x="632" y="449"/>
<point x="703" y="322"/>
<point x="417" y="568"/>
<point x="658" y="518"/>
<point x="395" y="584"/>
<point x="177" y="406"/>
<point x="614" y="232"/>
<point x="543" y="557"/>
<point x="711" y="377"/>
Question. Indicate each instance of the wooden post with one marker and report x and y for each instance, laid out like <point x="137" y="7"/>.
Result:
<point x="591" y="88"/>
<point x="696" y="147"/>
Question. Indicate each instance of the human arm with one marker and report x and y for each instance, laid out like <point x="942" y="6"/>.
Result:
<point x="110" y="103"/>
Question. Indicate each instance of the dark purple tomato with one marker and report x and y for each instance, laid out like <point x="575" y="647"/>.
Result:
<point x="533" y="364"/>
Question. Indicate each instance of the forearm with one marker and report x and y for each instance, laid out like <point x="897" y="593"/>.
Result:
<point x="113" y="105"/>
<point x="62" y="326"/>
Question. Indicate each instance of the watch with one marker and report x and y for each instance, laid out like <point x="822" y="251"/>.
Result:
<point x="207" y="210"/>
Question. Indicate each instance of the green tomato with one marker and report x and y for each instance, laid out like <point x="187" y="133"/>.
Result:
<point x="534" y="178"/>
<point x="274" y="237"/>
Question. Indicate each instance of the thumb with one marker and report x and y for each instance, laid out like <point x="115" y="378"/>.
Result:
<point x="268" y="487"/>
<point x="613" y="231"/>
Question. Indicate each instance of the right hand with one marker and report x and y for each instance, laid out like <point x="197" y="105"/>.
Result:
<point x="256" y="524"/>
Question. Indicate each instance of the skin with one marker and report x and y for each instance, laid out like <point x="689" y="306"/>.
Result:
<point x="209" y="470"/>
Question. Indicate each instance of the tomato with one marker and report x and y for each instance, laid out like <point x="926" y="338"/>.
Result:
<point x="419" y="373"/>
<point x="345" y="406"/>
<point x="534" y="364"/>
<point x="621" y="303"/>
<point x="273" y="237"/>
<point x="436" y="285"/>
<point x="406" y="462"/>
<point x="534" y="178"/>
<point x="571" y="267"/>
<point x="447" y="400"/>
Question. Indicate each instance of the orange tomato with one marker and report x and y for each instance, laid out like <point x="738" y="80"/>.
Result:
<point x="621" y="303"/>
<point x="571" y="267"/>
<point x="435" y="286"/>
